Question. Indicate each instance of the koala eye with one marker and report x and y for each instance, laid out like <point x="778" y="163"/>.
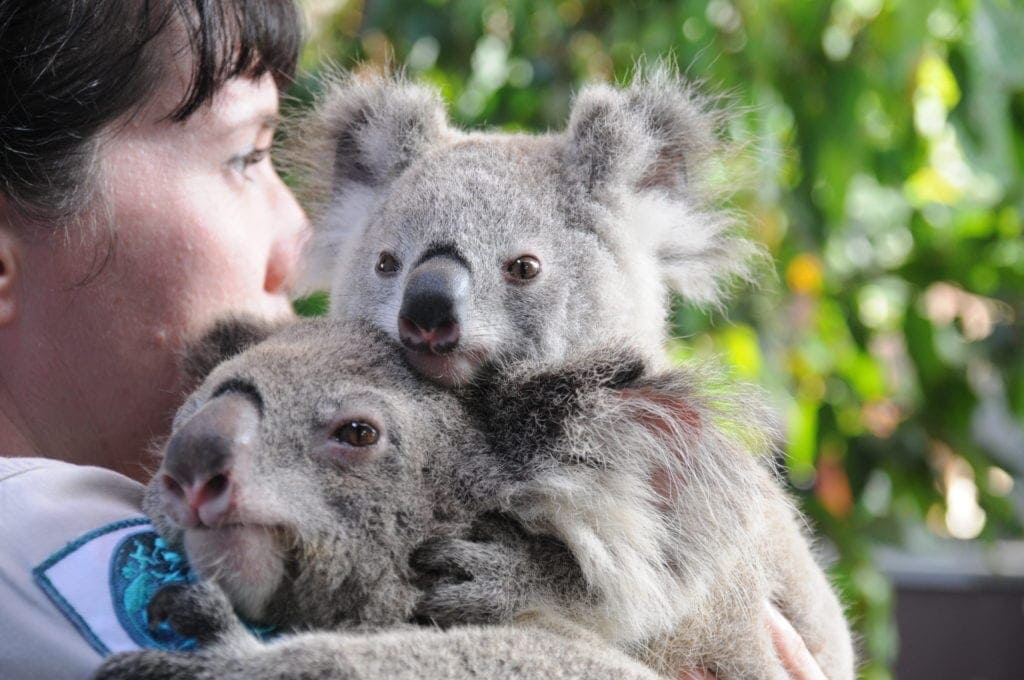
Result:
<point x="356" y="433"/>
<point x="387" y="263"/>
<point x="523" y="268"/>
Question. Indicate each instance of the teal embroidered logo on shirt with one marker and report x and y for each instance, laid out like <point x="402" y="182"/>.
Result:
<point x="103" y="582"/>
<point x="142" y="564"/>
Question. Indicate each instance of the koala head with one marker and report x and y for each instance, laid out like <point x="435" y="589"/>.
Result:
<point x="466" y="246"/>
<point x="302" y="472"/>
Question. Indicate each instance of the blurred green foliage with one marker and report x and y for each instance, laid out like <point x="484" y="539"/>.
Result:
<point x="885" y="141"/>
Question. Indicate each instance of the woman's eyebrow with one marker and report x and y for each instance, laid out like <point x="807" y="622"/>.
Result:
<point x="243" y="128"/>
<point x="261" y="120"/>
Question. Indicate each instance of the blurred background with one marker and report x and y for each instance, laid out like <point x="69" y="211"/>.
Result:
<point x="884" y="145"/>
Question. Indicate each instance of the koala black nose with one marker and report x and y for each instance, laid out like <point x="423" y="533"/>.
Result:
<point x="197" y="476"/>
<point x="435" y="294"/>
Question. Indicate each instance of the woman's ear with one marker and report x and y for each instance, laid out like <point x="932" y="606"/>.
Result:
<point x="8" y="270"/>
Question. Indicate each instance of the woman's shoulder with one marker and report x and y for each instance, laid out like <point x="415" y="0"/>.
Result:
<point x="63" y="529"/>
<point x="12" y="466"/>
<point x="43" y="501"/>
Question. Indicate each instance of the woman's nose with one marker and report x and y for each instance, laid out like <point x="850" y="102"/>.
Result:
<point x="291" y="232"/>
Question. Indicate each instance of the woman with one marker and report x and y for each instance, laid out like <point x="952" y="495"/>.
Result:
<point x="137" y="204"/>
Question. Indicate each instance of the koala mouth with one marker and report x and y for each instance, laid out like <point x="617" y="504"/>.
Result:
<point x="451" y="369"/>
<point x="246" y="561"/>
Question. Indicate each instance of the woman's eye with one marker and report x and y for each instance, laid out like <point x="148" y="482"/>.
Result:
<point x="387" y="263"/>
<point x="356" y="433"/>
<point x="523" y="268"/>
<point x="241" y="163"/>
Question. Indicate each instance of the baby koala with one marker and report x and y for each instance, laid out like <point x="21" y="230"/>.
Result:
<point x="467" y="246"/>
<point x="304" y="475"/>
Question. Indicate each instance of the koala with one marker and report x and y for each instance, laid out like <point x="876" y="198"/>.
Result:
<point x="318" y="482"/>
<point x="467" y="246"/>
<point x="299" y="478"/>
<point x="479" y="248"/>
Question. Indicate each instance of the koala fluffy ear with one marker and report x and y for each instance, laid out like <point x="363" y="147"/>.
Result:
<point x="378" y="126"/>
<point x="364" y="131"/>
<point x="226" y="338"/>
<point x="650" y="135"/>
<point x="642" y="150"/>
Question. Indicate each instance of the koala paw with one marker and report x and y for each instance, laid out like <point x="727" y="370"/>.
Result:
<point x="201" y="611"/>
<point x="499" y="572"/>
<point x="466" y="582"/>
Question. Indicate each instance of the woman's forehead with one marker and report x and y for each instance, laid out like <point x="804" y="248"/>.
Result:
<point x="241" y="103"/>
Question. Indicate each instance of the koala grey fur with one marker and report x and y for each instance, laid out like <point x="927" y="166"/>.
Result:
<point x="614" y="209"/>
<point x="676" y="534"/>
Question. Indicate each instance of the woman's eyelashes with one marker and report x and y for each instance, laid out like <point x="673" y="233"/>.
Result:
<point x="240" y="163"/>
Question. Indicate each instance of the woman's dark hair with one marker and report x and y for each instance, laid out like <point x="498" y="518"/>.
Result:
<point x="69" y="68"/>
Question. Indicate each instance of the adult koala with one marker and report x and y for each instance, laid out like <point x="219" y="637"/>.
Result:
<point x="298" y="479"/>
<point x="660" y="499"/>
<point x="467" y="246"/>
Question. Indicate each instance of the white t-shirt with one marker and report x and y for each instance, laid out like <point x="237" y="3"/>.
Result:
<point x="78" y="563"/>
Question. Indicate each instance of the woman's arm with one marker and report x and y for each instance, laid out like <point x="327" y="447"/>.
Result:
<point x="788" y="645"/>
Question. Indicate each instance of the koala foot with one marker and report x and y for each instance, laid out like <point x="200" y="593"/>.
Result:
<point x="201" y="611"/>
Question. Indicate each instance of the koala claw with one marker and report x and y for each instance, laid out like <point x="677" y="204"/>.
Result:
<point x="199" y="611"/>
<point x="439" y="557"/>
<point x="160" y="607"/>
<point x="455" y="560"/>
